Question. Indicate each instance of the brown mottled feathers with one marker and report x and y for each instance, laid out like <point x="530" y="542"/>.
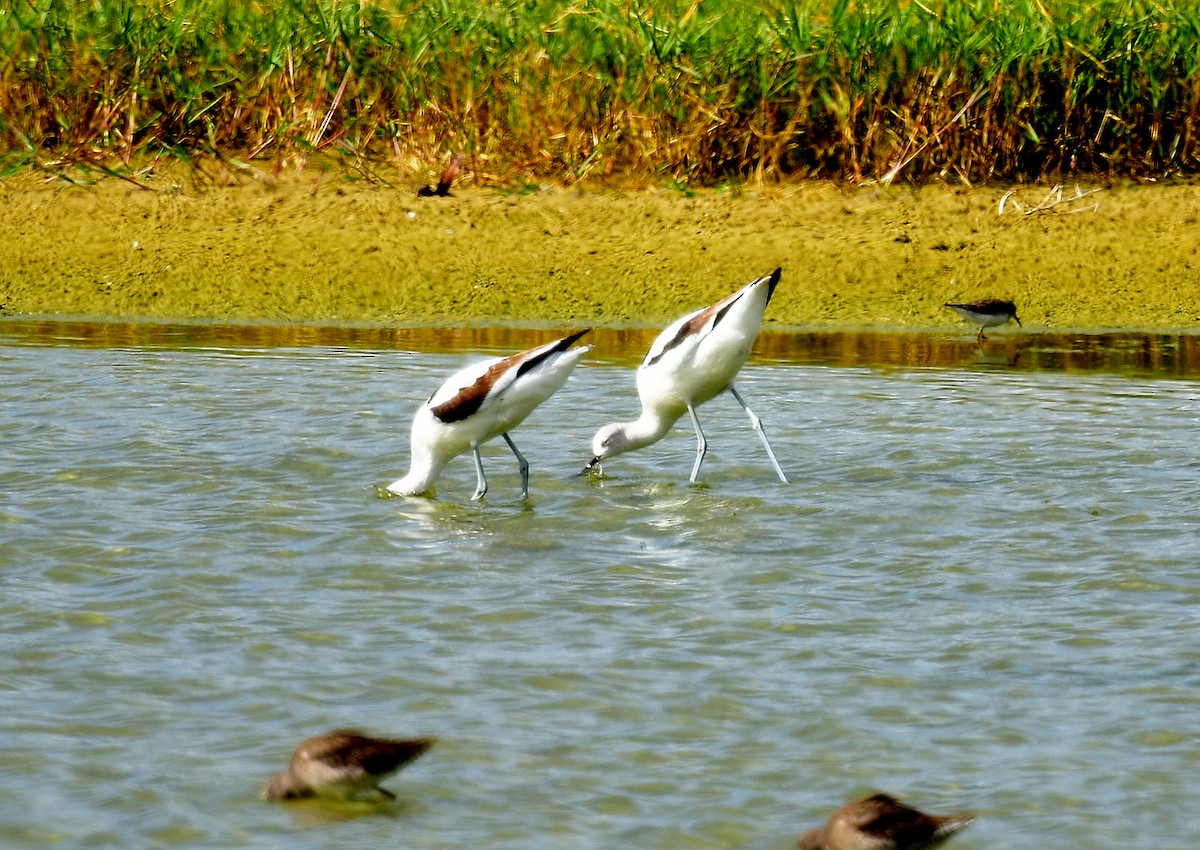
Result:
<point x="997" y="306"/>
<point x="343" y="763"/>
<point x="881" y="822"/>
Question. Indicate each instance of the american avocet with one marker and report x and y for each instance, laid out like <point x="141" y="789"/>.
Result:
<point x="989" y="313"/>
<point x="343" y="763"/>
<point x="694" y="359"/>
<point x="881" y="822"/>
<point x="480" y="402"/>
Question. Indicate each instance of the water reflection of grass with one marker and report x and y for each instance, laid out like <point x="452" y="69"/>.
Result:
<point x="678" y="89"/>
<point x="1157" y="354"/>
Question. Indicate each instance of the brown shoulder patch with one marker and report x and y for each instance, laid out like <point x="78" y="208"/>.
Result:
<point x="467" y="401"/>
<point x="693" y="325"/>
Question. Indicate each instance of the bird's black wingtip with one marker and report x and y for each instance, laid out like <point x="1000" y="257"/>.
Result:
<point x="773" y="281"/>
<point x="570" y="340"/>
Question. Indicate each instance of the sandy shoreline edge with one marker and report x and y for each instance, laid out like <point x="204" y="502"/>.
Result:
<point x="319" y="249"/>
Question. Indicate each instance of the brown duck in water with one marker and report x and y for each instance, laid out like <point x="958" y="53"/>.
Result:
<point x="343" y="764"/>
<point x="880" y="822"/>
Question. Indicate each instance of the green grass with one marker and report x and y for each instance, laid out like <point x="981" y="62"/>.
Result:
<point x="649" y="89"/>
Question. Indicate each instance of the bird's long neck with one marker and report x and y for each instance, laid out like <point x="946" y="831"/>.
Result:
<point x="426" y="467"/>
<point x="648" y="428"/>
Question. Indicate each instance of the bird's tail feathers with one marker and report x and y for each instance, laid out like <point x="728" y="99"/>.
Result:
<point x="952" y="824"/>
<point x="773" y="281"/>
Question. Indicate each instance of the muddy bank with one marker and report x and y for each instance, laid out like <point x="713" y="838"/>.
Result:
<point x="320" y="249"/>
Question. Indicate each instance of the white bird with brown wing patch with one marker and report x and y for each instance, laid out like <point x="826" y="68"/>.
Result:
<point x="480" y="402"/>
<point x="694" y="359"/>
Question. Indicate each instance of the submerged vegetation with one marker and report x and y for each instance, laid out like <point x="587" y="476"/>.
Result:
<point x="682" y="90"/>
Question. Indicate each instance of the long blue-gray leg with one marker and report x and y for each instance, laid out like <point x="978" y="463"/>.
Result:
<point x="481" y="487"/>
<point x="521" y="463"/>
<point x="701" y="444"/>
<point x="756" y="424"/>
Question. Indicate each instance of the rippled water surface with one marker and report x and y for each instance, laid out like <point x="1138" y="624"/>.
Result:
<point x="980" y="591"/>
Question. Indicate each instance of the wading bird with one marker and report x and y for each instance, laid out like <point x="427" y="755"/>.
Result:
<point x="989" y="313"/>
<point x="695" y="358"/>
<point x="344" y="764"/>
<point x="483" y="401"/>
<point x="881" y="822"/>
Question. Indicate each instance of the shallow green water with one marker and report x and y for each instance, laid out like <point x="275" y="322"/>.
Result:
<point x="979" y="592"/>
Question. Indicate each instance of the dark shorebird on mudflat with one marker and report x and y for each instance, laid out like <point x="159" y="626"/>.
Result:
<point x="988" y="313"/>
<point x="880" y="822"/>
<point x="447" y="180"/>
<point x="343" y="764"/>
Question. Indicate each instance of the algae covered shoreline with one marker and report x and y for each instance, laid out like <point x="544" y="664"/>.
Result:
<point x="319" y="249"/>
